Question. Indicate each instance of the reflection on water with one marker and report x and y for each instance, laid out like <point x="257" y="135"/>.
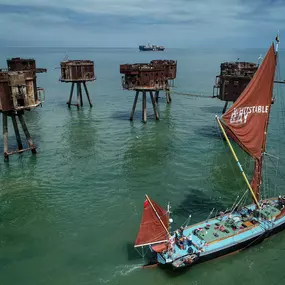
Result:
<point x="80" y="132"/>
<point x="210" y="131"/>
<point x="151" y="146"/>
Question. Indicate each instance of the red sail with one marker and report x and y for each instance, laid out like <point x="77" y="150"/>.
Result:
<point x="151" y="229"/>
<point x="248" y="116"/>
<point x="247" y="119"/>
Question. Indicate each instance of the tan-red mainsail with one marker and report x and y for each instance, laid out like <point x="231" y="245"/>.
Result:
<point x="153" y="225"/>
<point x="247" y="119"/>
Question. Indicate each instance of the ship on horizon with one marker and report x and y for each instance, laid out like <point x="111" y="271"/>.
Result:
<point x="150" y="47"/>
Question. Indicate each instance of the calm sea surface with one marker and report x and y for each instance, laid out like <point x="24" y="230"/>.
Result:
<point x="70" y="214"/>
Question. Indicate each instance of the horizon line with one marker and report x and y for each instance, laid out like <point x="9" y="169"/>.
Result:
<point x="131" y="47"/>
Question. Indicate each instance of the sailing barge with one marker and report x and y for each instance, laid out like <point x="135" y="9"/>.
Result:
<point x="246" y="122"/>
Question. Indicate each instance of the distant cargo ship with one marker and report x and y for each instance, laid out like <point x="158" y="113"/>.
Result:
<point x="149" y="47"/>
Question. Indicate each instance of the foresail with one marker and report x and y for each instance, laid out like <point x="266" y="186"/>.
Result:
<point x="247" y="118"/>
<point x="152" y="229"/>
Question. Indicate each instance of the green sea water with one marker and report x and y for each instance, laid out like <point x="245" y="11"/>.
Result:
<point x="70" y="214"/>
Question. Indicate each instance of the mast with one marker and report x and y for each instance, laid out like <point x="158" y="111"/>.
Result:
<point x="259" y="162"/>
<point x="157" y="215"/>
<point x="238" y="163"/>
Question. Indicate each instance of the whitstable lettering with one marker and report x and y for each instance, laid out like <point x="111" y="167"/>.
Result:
<point x="240" y="115"/>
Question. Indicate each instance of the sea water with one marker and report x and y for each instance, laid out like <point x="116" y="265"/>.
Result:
<point x="70" y="214"/>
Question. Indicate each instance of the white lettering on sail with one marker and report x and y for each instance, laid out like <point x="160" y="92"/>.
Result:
<point x="240" y="115"/>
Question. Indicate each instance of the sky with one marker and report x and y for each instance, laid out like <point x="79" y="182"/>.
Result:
<point x="128" y="23"/>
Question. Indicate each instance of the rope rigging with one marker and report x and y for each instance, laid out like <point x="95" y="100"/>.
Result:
<point x="191" y="94"/>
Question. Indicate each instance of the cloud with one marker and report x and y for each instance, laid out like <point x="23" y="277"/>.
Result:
<point x="188" y="23"/>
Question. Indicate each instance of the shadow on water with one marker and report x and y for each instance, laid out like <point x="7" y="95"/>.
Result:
<point x="198" y="201"/>
<point x="125" y="115"/>
<point x="171" y="273"/>
<point x="225" y="176"/>
<point x="132" y="253"/>
<point x="210" y="131"/>
<point x="122" y="115"/>
<point x="217" y="110"/>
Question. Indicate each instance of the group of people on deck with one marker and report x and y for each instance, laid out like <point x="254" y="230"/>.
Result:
<point x="181" y="240"/>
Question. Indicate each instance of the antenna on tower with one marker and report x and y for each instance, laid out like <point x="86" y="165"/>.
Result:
<point x="260" y="58"/>
<point x="277" y="42"/>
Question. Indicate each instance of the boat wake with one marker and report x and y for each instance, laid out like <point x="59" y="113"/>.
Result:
<point x="121" y="270"/>
<point x="125" y="270"/>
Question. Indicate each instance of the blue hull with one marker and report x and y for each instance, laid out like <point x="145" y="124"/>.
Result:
<point x="205" y="246"/>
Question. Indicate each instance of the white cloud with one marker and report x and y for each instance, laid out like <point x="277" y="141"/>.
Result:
<point x="175" y="22"/>
<point x="195" y="9"/>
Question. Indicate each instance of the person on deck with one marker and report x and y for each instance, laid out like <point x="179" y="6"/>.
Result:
<point x="181" y="231"/>
<point x="176" y="236"/>
<point x="181" y="243"/>
<point x="185" y="241"/>
<point x="189" y="239"/>
<point x="171" y="243"/>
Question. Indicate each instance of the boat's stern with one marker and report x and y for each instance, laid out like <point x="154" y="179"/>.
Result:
<point x="159" y="251"/>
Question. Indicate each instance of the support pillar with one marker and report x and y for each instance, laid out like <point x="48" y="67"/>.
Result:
<point x="5" y="136"/>
<point x="156" y="96"/>
<point x="27" y="134"/>
<point x="87" y="93"/>
<point x="154" y="105"/>
<point x="167" y="95"/>
<point x="134" y="106"/>
<point x="71" y="93"/>
<point x="144" y="110"/>
<point x="20" y="149"/>
<point x="17" y="133"/>
<point x="225" y="107"/>
<point x="79" y="93"/>
<point x="144" y="107"/>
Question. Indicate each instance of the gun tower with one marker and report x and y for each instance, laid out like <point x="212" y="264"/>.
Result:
<point x="233" y="79"/>
<point x="146" y="78"/>
<point x="19" y="93"/>
<point x="77" y="72"/>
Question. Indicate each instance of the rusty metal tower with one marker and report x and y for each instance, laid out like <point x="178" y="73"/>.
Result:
<point x="233" y="79"/>
<point x="77" y="72"/>
<point x="148" y="78"/>
<point x="19" y="93"/>
<point x="170" y="70"/>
